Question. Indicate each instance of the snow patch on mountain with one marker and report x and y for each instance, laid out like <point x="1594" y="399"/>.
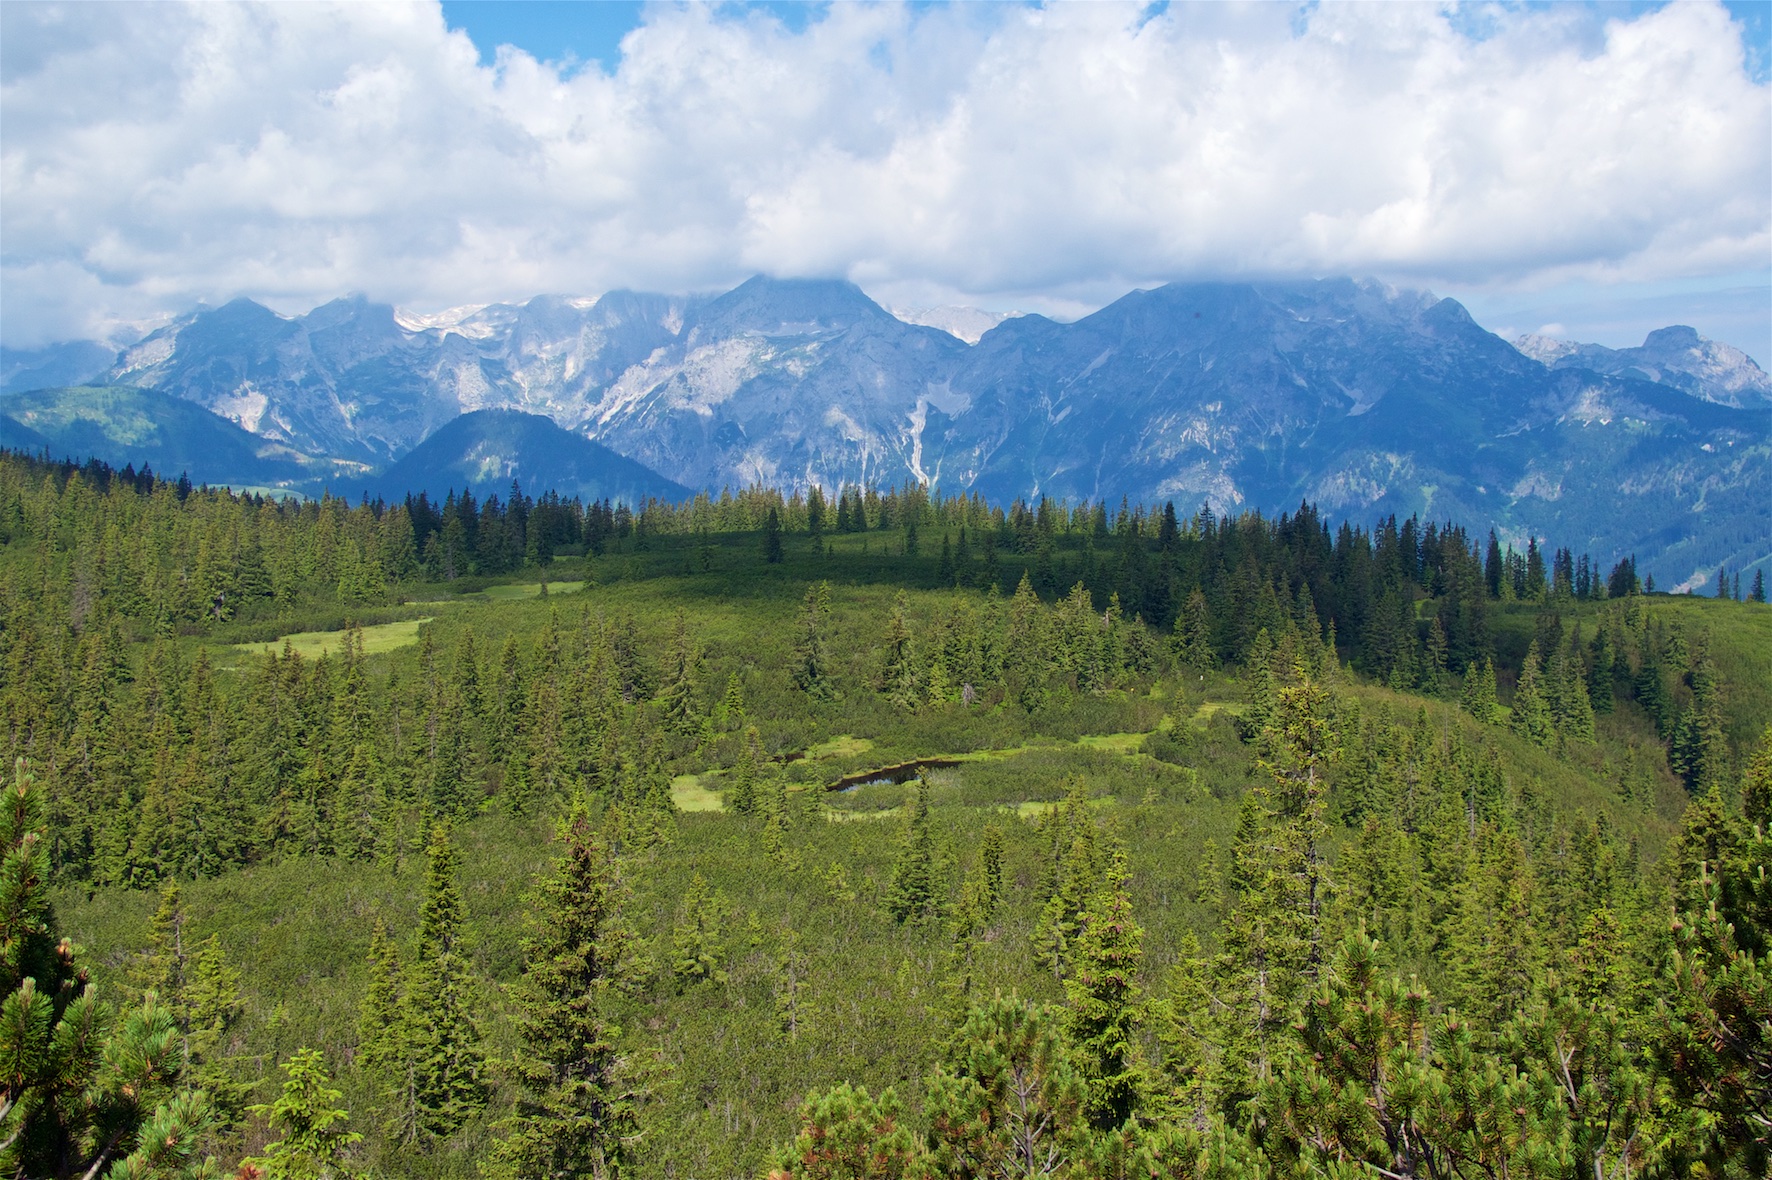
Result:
<point x="962" y="323"/>
<point x="450" y="318"/>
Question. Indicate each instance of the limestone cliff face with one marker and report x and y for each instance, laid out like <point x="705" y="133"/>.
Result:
<point x="1361" y="397"/>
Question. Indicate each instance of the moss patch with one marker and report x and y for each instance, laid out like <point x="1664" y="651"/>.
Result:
<point x="689" y="795"/>
<point x="382" y="637"/>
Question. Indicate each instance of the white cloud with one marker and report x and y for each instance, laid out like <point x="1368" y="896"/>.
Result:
<point x="1049" y="157"/>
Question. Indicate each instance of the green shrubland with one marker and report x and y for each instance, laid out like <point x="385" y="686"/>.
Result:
<point x="1176" y="846"/>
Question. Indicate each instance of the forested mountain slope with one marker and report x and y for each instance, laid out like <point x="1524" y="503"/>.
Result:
<point x="142" y="429"/>
<point x="508" y="835"/>
<point x="1363" y="399"/>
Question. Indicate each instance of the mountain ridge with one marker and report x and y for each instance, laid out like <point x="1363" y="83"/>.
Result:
<point x="1356" y="395"/>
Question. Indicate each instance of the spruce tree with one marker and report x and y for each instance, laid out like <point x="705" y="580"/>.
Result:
<point x="313" y="1140"/>
<point x="1571" y="709"/>
<point x="696" y="944"/>
<point x="683" y="661"/>
<point x="1531" y="715"/>
<point x="743" y="798"/>
<point x="1104" y="1011"/>
<point x="772" y="553"/>
<point x="911" y="897"/>
<point x="438" y="1083"/>
<point x="578" y="1088"/>
<point x="810" y="670"/>
<point x="1478" y="698"/>
<point x="732" y="711"/>
<point x="378" y="1016"/>
<point x="1193" y="633"/>
<point x="898" y="673"/>
<point x="1600" y="671"/>
<point x="990" y="859"/>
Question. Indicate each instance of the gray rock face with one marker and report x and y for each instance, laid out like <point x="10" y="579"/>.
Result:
<point x="1676" y="356"/>
<point x="351" y="379"/>
<point x="1360" y="397"/>
<point x="783" y="382"/>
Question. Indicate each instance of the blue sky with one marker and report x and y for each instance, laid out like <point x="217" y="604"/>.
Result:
<point x="1590" y="170"/>
<point x="591" y="30"/>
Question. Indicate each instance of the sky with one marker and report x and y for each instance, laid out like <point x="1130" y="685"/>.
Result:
<point x="1591" y="171"/>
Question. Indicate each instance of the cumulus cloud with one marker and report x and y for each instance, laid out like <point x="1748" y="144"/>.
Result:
<point x="158" y="155"/>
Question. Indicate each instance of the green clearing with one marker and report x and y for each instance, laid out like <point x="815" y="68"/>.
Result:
<point x="1113" y="743"/>
<point x="844" y="745"/>
<point x="311" y="645"/>
<point x="515" y="591"/>
<point x="689" y="795"/>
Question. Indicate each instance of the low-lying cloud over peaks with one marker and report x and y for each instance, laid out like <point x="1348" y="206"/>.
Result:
<point x="156" y="156"/>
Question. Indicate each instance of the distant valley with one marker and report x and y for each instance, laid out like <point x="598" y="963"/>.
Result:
<point x="1364" y="399"/>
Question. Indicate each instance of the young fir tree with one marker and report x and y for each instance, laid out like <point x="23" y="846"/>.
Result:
<point x="578" y="1089"/>
<point x="378" y="1017"/>
<point x="913" y="895"/>
<point x="678" y="696"/>
<point x="732" y="710"/>
<point x="1571" y="711"/>
<point x="1531" y="715"/>
<point x="1104" y="1011"/>
<point x="990" y="861"/>
<point x="696" y="945"/>
<point x="314" y="1139"/>
<point x="1272" y="938"/>
<point x="810" y="669"/>
<point x="743" y="799"/>
<point x="772" y="553"/>
<point x="1600" y="664"/>
<point x="161" y="968"/>
<point x="1069" y="877"/>
<point x="437" y="1080"/>
<point x="1478" y="698"/>
<point x="898" y="672"/>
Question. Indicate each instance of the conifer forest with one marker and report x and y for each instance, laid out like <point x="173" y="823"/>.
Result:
<point x="878" y="835"/>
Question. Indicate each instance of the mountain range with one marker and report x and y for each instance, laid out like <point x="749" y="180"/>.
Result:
<point x="1360" y="397"/>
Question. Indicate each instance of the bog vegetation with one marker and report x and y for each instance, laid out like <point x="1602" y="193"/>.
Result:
<point x="889" y="836"/>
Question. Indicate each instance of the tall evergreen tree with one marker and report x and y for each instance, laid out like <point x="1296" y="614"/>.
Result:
<point x="772" y="553"/>
<point x="810" y="670"/>
<point x="378" y="1016"/>
<point x="1531" y="715"/>
<point x="913" y="896"/>
<point x="1478" y="698"/>
<point x="696" y="944"/>
<point x="682" y="663"/>
<point x="1104" y="1009"/>
<point x="990" y="859"/>
<point x="437" y="1080"/>
<point x="898" y="673"/>
<point x="578" y="1088"/>
<point x="743" y="798"/>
